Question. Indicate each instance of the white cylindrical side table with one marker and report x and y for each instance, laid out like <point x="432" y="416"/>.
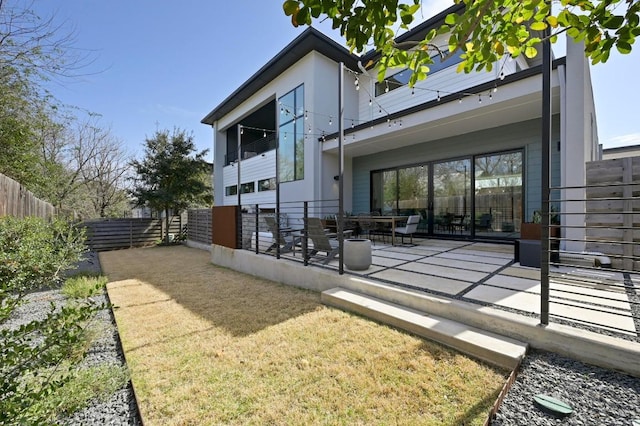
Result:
<point x="357" y="254"/>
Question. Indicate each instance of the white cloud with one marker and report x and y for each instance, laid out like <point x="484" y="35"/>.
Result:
<point x="623" y="140"/>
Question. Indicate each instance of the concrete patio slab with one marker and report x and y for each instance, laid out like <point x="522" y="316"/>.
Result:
<point x="444" y="271"/>
<point x="428" y="282"/>
<point x="474" y="258"/>
<point x="471" y="266"/>
<point x="386" y="261"/>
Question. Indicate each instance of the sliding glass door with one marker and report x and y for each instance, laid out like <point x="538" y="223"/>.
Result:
<point x="480" y="196"/>
<point x="452" y="197"/>
<point x="498" y="194"/>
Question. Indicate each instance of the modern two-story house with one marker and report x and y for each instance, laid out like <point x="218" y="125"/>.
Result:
<point x="456" y="147"/>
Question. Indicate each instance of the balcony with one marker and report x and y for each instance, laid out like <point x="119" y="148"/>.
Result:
<point x="252" y="149"/>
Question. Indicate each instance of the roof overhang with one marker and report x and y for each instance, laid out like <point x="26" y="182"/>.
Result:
<point x="518" y="99"/>
<point x="310" y="40"/>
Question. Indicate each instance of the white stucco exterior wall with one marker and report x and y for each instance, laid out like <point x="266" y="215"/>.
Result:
<point x="580" y="143"/>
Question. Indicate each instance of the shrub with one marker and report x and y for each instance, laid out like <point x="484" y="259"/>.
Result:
<point x="34" y="254"/>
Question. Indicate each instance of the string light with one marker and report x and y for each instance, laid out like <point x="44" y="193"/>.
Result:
<point x="381" y="110"/>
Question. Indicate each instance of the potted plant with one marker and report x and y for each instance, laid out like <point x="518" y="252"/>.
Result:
<point x="533" y="230"/>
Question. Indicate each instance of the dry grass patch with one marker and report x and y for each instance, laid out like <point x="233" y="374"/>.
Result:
<point x="207" y="345"/>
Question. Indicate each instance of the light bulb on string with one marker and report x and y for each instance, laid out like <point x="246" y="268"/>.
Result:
<point x="330" y="121"/>
<point x="264" y="133"/>
<point x="495" y="88"/>
<point x="370" y="101"/>
<point x="413" y="91"/>
<point x="490" y="96"/>
<point x="438" y="96"/>
<point x="306" y="115"/>
<point x="386" y="89"/>
<point x="479" y="99"/>
<point x="389" y="122"/>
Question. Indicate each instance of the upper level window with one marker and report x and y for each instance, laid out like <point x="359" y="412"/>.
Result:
<point x="291" y="135"/>
<point x="267" y="184"/>
<point x="231" y="190"/>
<point x="401" y="78"/>
<point x="247" y="188"/>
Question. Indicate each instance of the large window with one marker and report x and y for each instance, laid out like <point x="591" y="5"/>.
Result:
<point x="291" y="135"/>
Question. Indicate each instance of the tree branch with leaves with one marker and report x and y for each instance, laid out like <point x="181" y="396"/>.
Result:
<point x="484" y="30"/>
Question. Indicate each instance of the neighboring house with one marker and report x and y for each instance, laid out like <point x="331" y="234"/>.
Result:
<point x="463" y="146"/>
<point x="621" y="152"/>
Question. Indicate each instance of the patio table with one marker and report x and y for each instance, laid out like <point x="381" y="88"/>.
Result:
<point x="383" y="219"/>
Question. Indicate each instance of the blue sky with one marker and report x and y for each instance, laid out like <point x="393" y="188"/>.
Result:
<point x="165" y="64"/>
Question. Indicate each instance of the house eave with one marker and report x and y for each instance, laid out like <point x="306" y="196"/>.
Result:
<point x="310" y="40"/>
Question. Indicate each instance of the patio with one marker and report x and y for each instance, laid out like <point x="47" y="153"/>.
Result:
<point x="485" y="274"/>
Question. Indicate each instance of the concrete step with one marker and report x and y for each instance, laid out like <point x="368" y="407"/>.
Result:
<point x="490" y="347"/>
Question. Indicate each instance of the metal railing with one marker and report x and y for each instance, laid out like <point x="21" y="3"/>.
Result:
<point x="594" y="261"/>
<point x="251" y="149"/>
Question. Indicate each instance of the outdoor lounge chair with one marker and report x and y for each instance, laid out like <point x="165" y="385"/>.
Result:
<point x="321" y="241"/>
<point x="409" y="228"/>
<point x="281" y="237"/>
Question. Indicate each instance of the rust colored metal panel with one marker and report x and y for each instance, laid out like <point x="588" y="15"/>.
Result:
<point x="224" y="226"/>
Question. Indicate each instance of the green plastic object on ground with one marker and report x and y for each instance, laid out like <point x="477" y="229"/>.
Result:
<point x="553" y="405"/>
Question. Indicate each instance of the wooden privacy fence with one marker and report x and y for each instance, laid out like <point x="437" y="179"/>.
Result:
<point x="199" y="225"/>
<point x="613" y="210"/>
<point x="113" y="234"/>
<point x="16" y="200"/>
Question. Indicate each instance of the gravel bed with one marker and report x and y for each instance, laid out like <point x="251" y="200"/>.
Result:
<point x="597" y="396"/>
<point x="121" y="408"/>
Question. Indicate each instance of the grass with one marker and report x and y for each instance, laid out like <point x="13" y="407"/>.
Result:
<point x="85" y="384"/>
<point x="83" y="286"/>
<point x="220" y="347"/>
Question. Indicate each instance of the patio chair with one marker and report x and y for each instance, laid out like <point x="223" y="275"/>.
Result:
<point x="281" y="237"/>
<point x="321" y="241"/>
<point x="409" y="228"/>
<point x="484" y="224"/>
<point x="378" y="228"/>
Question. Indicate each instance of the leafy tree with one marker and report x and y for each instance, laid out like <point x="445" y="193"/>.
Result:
<point x="35" y="355"/>
<point x="33" y="50"/>
<point x="485" y="30"/>
<point x="169" y="178"/>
